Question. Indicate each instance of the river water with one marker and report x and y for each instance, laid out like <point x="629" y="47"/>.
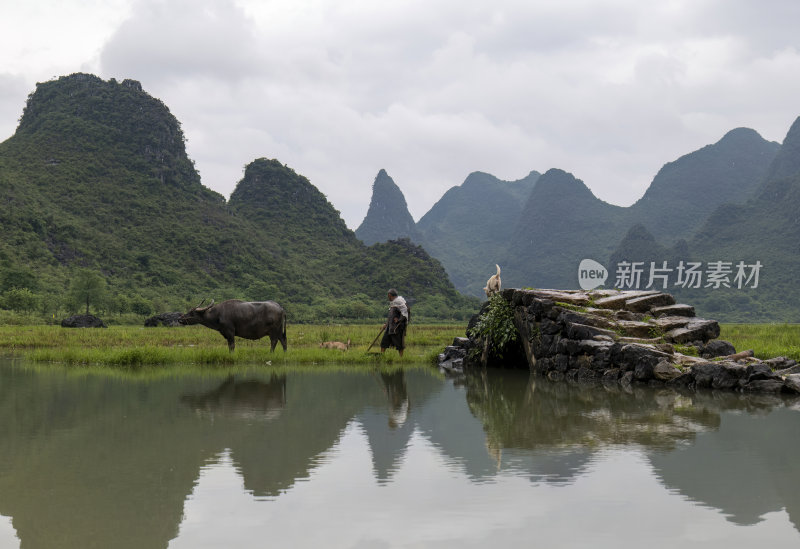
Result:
<point x="320" y="457"/>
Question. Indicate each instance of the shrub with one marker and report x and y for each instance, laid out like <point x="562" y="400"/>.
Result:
<point x="495" y="325"/>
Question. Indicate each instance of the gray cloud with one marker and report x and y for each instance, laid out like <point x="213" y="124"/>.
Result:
<point x="433" y="91"/>
<point x="184" y="39"/>
<point x="13" y="93"/>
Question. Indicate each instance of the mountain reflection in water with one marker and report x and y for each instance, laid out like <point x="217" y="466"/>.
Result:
<point x="93" y="460"/>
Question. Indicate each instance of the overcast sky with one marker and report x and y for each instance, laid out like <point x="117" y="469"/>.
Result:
<point x="428" y="90"/>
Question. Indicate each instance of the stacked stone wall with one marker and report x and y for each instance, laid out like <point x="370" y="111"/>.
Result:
<point x="626" y="338"/>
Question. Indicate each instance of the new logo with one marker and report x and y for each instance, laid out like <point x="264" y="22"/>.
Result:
<point x="591" y="274"/>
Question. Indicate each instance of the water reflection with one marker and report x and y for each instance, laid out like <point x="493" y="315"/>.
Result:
<point x="249" y="399"/>
<point x="746" y="469"/>
<point x="101" y="461"/>
<point x="729" y="451"/>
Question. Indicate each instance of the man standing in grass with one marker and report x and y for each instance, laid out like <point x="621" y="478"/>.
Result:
<point x="396" y="322"/>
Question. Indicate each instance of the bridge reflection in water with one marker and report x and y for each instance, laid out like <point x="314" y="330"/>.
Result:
<point x="387" y="458"/>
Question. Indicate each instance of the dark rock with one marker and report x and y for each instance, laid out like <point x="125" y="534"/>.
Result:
<point x="585" y="375"/>
<point x="668" y="323"/>
<point x="564" y="296"/>
<point x="764" y="386"/>
<point x="571" y="375"/>
<point x="571" y="317"/>
<point x="719" y="375"/>
<point x="673" y="310"/>
<point x="760" y="372"/>
<point x="454" y="357"/>
<point x="83" y="321"/>
<point x="665" y="371"/>
<point x="629" y="356"/>
<point x="592" y="346"/>
<point x="453" y="365"/>
<point x="561" y="363"/>
<point x="645" y="303"/>
<point x="789" y="371"/>
<point x="555" y="375"/>
<point x="792" y="383"/>
<point x="665" y="348"/>
<point x="696" y="330"/>
<point x="540" y="308"/>
<point x="550" y="344"/>
<point x="780" y="363"/>
<point x="644" y="371"/>
<point x="633" y="328"/>
<point x="601" y="361"/>
<point x="618" y="301"/>
<point x="543" y="365"/>
<point x="704" y="373"/>
<point x="569" y="346"/>
<point x="729" y="376"/>
<point x="548" y="327"/>
<point x="582" y="331"/>
<point x="527" y="298"/>
<point x="626" y="379"/>
<point x="612" y="374"/>
<point x="716" y="348"/>
<point x="626" y="315"/>
<point x="683" y="380"/>
<point x="163" y="319"/>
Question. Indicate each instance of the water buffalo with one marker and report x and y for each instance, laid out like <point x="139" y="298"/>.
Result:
<point x="247" y="319"/>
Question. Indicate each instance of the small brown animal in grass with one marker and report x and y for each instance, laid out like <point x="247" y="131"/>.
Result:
<point x="335" y="345"/>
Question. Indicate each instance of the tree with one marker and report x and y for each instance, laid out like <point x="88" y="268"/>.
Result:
<point x="18" y="278"/>
<point x="141" y="306"/>
<point x="88" y="287"/>
<point x="20" y="300"/>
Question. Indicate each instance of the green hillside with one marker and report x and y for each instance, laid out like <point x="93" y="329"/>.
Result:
<point x="685" y="192"/>
<point x="767" y="230"/>
<point x="97" y="178"/>
<point x="561" y="224"/>
<point x="564" y="223"/>
<point x="732" y="242"/>
<point x="469" y="227"/>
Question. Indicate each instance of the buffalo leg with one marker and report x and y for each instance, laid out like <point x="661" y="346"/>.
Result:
<point x="274" y="342"/>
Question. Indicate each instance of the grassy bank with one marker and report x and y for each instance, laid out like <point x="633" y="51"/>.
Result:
<point x="131" y="346"/>
<point x="766" y="340"/>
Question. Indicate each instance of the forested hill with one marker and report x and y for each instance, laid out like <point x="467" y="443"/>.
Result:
<point x="97" y="178"/>
<point x="745" y="256"/>
<point x="685" y="192"/>
<point x="540" y="228"/>
<point x="469" y="227"/>
<point x="764" y="231"/>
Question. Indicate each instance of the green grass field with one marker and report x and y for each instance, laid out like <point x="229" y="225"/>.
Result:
<point x="133" y="346"/>
<point x="766" y="340"/>
<point x="130" y="346"/>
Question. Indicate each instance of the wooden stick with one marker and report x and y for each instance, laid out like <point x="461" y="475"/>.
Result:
<point x="376" y="339"/>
